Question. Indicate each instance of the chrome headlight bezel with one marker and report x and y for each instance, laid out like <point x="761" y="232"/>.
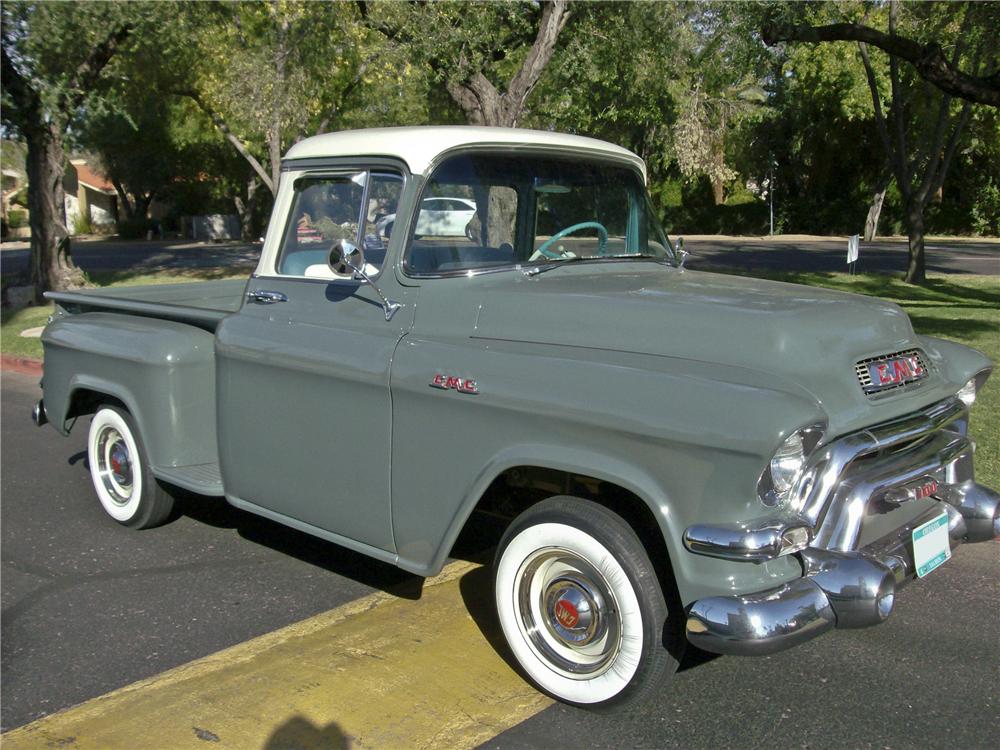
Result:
<point x="781" y="476"/>
<point x="968" y="392"/>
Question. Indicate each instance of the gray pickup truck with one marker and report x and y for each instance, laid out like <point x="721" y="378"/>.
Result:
<point x="452" y="320"/>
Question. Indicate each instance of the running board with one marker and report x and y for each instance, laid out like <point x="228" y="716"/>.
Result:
<point x="204" y="479"/>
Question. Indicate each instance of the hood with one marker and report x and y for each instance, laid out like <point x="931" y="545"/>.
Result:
<point x="802" y="338"/>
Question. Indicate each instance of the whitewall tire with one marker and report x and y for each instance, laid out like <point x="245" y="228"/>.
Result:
<point x="119" y="469"/>
<point x="580" y="604"/>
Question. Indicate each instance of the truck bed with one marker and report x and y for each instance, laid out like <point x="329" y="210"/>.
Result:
<point x="200" y="303"/>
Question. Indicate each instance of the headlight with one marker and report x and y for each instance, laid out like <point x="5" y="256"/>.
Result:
<point x="786" y="467"/>
<point x="787" y="464"/>
<point x="967" y="394"/>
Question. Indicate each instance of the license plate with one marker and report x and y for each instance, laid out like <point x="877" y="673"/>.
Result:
<point x="931" y="546"/>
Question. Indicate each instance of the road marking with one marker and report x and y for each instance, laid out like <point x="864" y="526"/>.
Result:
<point x="380" y="672"/>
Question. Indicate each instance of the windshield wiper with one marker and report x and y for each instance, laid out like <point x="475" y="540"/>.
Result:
<point x="542" y="268"/>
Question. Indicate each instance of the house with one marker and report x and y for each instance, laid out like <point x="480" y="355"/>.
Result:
<point x="89" y="195"/>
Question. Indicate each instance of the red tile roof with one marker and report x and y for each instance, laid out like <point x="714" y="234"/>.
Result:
<point x="92" y="179"/>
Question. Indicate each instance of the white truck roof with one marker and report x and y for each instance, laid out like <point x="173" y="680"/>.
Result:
<point x="419" y="146"/>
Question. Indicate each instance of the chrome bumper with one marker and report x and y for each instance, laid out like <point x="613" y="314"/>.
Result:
<point x="839" y="589"/>
<point x="845" y="584"/>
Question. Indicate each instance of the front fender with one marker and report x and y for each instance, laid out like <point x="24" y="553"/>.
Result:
<point x="696" y="576"/>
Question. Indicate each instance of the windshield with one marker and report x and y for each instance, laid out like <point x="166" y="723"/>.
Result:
<point x="497" y="210"/>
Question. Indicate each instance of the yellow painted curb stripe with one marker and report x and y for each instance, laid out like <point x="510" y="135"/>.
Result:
<point x="380" y="672"/>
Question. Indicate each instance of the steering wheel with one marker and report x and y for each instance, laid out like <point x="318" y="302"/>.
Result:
<point x="543" y="249"/>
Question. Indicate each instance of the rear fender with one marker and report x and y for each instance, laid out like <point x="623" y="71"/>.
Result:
<point x="162" y="371"/>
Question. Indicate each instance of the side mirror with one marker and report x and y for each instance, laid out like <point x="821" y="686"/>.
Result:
<point x="346" y="259"/>
<point x="681" y="253"/>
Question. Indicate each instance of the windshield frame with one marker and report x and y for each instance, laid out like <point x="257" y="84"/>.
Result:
<point x="519" y="151"/>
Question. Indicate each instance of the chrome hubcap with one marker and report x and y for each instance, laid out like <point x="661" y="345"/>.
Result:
<point x="114" y="465"/>
<point x="568" y="613"/>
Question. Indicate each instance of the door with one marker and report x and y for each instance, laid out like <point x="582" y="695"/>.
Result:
<point x="303" y="368"/>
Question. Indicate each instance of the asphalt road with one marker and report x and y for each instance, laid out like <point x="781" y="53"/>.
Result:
<point x="88" y="606"/>
<point x="136" y="256"/>
<point x="804" y="253"/>
<point x="796" y="252"/>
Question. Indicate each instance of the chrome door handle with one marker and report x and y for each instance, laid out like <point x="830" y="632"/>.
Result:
<point x="264" y="297"/>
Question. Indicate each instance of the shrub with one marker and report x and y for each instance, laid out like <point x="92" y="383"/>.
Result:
<point x="134" y="229"/>
<point x="17" y="219"/>
<point x="81" y="225"/>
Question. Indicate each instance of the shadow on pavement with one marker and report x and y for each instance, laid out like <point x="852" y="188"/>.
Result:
<point x="298" y="733"/>
<point x="328" y="556"/>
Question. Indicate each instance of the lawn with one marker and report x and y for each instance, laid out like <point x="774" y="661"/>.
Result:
<point x="962" y="308"/>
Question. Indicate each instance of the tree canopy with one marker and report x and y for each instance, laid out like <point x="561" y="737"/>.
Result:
<point x="841" y="113"/>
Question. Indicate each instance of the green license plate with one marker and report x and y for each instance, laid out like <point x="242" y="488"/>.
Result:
<point x="931" y="546"/>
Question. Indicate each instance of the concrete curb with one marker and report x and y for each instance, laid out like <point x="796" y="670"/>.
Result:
<point x="23" y="365"/>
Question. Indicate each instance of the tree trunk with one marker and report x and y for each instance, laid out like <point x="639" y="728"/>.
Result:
<point x="124" y="199"/>
<point x="718" y="191"/>
<point x="482" y="102"/>
<point x="916" y="272"/>
<point x="245" y="209"/>
<point x="142" y="203"/>
<point x="875" y="209"/>
<point x="52" y="266"/>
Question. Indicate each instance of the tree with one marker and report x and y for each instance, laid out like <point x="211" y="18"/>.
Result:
<point x="267" y="74"/>
<point x="490" y="56"/>
<point x="135" y="149"/>
<point x="920" y="160"/>
<point x="54" y="59"/>
<point x="616" y="76"/>
<point x="928" y="59"/>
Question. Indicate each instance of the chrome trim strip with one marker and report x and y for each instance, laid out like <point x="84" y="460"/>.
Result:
<point x="764" y="541"/>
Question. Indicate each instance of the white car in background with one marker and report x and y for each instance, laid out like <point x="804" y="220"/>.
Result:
<point x="439" y="217"/>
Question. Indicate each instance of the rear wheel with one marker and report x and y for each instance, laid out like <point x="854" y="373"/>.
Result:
<point x="581" y="606"/>
<point x="119" y="469"/>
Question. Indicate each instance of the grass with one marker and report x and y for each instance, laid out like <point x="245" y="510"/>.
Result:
<point x="12" y="322"/>
<point x="962" y="308"/>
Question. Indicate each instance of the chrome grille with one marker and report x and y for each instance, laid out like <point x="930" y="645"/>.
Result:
<point x="872" y="388"/>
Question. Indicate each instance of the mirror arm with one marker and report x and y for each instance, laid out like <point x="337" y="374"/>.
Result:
<point x="681" y="253"/>
<point x="388" y="306"/>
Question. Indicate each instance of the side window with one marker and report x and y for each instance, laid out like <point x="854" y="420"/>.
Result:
<point x="327" y="208"/>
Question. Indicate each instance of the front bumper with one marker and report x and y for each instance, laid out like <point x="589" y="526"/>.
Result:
<point x="853" y="566"/>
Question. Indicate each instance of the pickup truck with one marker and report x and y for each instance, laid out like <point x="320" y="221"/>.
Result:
<point x="680" y="457"/>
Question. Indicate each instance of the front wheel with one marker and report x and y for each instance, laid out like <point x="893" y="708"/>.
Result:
<point x="581" y="606"/>
<point x="119" y="469"/>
